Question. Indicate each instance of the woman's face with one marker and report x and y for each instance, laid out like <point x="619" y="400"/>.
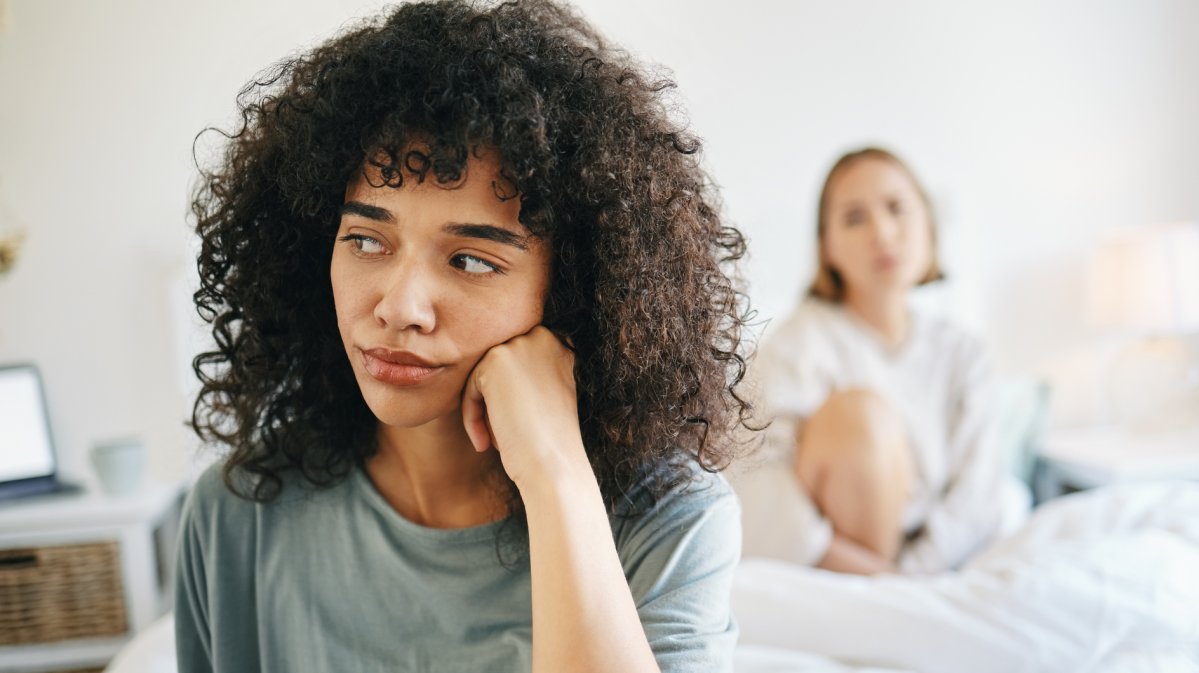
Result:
<point x="426" y="279"/>
<point x="878" y="235"/>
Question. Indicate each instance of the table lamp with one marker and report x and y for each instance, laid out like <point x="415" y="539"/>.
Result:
<point x="1144" y="284"/>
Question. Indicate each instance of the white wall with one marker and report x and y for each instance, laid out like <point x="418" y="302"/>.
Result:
<point x="1036" y="126"/>
<point x="99" y="103"/>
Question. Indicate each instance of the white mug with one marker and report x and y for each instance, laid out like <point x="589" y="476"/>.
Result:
<point x="120" y="464"/>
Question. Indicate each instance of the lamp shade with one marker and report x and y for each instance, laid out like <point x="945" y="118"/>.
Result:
<point x="1146" y="280"/>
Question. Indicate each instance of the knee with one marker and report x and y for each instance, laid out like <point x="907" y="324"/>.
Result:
<point x="858" y="423"/>
<point x="863" y="408"/>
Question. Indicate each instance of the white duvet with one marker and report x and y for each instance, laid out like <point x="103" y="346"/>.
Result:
<point x="1104" y="581"/>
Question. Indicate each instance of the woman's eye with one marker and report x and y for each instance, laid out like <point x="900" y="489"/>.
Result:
<point x="365" y="244"/>
<point x="897" y="208"/>
<point x="472" y="264"/>
<point x="855" y="217"/>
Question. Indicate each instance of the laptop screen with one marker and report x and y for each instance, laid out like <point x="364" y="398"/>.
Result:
<point x="25" y="449"/>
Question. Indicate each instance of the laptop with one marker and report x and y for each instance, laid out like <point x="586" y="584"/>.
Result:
<point x="27" y="463"/>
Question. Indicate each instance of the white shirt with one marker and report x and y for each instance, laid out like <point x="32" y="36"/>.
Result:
<point x="938" y="381"/>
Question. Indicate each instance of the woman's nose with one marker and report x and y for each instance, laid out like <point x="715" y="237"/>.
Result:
<point x="886" y="228"/>
<point x="409" y="301"/>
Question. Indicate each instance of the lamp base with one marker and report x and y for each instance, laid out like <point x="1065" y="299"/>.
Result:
<point x="1153" y="386"/>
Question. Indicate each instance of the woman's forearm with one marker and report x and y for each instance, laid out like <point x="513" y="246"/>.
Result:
<point x="521" y="400"/>
<point x="584" y="618"/>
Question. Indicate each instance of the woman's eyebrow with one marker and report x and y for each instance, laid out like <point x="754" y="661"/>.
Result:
<point x="369" y="212"/>
<point x="486" y="232"/>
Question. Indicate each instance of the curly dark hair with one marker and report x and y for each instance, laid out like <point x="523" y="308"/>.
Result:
<point x="604" y="173"/>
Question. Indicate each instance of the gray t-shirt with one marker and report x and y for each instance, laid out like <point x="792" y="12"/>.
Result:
<point x="335" y="580"/>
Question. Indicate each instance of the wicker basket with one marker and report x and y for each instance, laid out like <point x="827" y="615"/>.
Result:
<point x="48" y="594"/>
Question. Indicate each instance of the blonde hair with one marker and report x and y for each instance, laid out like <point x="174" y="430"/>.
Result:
<point x="828" y="284"/>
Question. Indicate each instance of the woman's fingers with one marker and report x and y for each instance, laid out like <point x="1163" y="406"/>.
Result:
<point x="520" y="399"/>
<point x="474" y="414"/>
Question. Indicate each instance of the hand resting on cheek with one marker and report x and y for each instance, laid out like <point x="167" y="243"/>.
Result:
<point x="521" y="400"/>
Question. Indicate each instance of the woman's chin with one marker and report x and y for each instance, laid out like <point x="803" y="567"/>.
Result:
<point x="409" y="406"/>
<point x="401" y="415"/>
<point x="892" y="282"/>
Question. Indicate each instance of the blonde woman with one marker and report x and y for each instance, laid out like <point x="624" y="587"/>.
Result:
<point x="882" y="457"/>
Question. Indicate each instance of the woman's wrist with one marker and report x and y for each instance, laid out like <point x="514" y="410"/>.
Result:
<point x="563" y="471"/>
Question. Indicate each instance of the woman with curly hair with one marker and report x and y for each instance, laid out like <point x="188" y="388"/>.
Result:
<point x="477" y="363"/>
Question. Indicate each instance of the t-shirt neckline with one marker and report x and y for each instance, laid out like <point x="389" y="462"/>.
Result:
<point x="889" y="351"/>
<point x="365" y="488"/>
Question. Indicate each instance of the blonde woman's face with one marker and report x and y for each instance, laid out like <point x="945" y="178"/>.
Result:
<point x="878" y="233"/>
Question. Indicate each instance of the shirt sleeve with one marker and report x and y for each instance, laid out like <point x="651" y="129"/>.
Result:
<point x="970" y="510"/>
<point x="793" y="368"/>
<point x="793" y="376"/>
<point x="216" y="628"/>
<point x="193" y="640"/>
<point x="679" y="559"/>
<point x="778" y="518"/>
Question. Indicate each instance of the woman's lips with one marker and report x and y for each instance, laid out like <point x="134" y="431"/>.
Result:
<point x="399" y="368"/>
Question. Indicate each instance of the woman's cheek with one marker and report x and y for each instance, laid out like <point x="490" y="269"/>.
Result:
<point x="922" y="251"/>
<point x="352" y="302"/>
<point x="851" y="255"/>
<point x="483" y="327"/>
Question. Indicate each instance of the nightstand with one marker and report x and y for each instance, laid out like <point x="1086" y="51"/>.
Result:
<point x="80" y="575"/>
<point x="1078" y="459"/>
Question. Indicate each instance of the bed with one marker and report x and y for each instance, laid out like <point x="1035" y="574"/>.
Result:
<point x="1105" y="581"/>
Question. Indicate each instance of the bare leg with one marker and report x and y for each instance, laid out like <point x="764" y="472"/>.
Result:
<point x="855" y="463"/>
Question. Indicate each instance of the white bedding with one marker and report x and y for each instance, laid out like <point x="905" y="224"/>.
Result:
<point x="1105" y="581"/>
